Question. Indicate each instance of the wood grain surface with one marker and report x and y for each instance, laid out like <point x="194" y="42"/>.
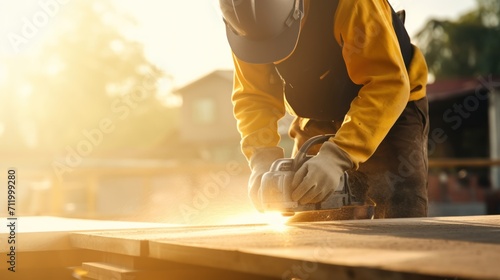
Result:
<point x="452" y="247"/>
<point x="45" y="233"/>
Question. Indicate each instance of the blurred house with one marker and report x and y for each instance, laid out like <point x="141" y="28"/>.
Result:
<point x="191" y="175"/>
<point x="464" y="131"/>
<point x="207" y="122"/>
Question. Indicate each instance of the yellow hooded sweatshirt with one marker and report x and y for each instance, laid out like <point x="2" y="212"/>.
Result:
<point x="370" y="48"/>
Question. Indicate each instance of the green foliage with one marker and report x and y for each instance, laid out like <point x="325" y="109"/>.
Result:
<point x="87" y="72"/>
<point x="465" y="47"/>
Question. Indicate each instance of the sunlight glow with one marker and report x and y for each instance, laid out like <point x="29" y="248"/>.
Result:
<point x="275" y="220"/>
<point x="4" y="74"/>
<point x="117" y="46"/>
<point x="29" y="133"/>
<point x="165" y="95"/>
<point x="54" y="67"/>
<point x="25" y="91"/>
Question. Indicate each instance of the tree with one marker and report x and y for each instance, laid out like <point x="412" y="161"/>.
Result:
<point x="465" y="47"/>
<point x="87" y="83"/>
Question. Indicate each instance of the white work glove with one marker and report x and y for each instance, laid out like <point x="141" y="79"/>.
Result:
<point x="260" y="163"/>
<point x="320" y="175"/>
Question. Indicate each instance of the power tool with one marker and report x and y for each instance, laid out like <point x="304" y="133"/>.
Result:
<point x="276" y="185"/>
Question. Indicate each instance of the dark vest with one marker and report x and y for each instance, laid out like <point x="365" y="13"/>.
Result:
<point x="317" y="85"/>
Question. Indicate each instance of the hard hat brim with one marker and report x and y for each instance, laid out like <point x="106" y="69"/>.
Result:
<point x="267" y="51"/>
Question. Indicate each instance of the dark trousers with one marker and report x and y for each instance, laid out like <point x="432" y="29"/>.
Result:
<point x="395" y="176"/>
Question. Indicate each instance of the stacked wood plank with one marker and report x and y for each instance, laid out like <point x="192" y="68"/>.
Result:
<point x="43" y="249"/>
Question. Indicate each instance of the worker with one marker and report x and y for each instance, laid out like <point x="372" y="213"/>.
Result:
<point x="338" y="66"/>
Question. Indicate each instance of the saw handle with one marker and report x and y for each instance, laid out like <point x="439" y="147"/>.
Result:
<point x="301" y="156"/>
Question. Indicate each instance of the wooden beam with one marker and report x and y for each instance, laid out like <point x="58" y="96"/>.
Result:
<point x="464" y="162"/>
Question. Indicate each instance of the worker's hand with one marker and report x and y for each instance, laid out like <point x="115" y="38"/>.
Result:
<point x="260" y="163"/>
<point x="320" y="175"/>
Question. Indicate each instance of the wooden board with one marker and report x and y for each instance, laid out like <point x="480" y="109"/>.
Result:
<point x="106" y="271"/>
<point x="42" y="233"/>
<point x="135" y="242"/>
<point x="463" y="247"/>
<point x="43" y="249"/>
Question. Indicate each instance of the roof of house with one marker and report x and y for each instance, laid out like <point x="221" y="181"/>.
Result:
<point x="450" y="88"/>
<point x="224" y="74"/>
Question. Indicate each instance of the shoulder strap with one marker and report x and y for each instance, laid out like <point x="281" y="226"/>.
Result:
<point x="403" y="38"/>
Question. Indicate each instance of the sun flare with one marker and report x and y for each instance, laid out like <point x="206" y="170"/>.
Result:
<point x="274" y="220"/>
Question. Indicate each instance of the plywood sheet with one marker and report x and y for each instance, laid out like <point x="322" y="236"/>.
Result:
<point x="135" y="241"/>
<point x="42" y="233"/>
<point x="104" y="271"/>
<point x="465" y="247"/>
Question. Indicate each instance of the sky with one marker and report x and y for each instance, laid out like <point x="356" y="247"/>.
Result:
<point x="187" y="38"/>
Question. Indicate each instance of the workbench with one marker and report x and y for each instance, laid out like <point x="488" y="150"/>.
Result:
<point x="418" y="248"/>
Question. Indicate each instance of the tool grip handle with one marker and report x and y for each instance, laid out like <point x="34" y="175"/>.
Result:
<point x="301" y="156"/>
